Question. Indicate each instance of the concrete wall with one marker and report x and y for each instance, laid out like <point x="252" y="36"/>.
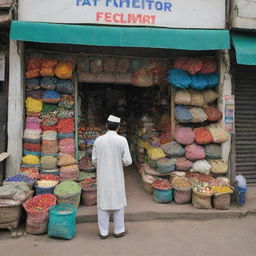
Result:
<point x="15" y="108"/>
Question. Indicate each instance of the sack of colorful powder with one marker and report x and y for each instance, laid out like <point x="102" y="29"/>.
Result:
<point x="184" y="135"/>
<point x="194" y="152"/>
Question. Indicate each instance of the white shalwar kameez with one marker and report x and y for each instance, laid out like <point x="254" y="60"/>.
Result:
<point x="110" y="153"/>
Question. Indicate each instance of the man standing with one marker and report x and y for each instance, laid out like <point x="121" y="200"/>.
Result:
<point x="110" y="153"/>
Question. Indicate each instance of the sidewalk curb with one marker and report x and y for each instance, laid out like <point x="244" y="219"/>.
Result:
<point x="151" y="216"/>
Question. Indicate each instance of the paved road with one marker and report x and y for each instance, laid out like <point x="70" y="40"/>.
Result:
<point x="230" y="237"/>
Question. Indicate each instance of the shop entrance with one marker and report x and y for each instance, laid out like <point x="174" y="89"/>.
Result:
<point x="139" y="109"/>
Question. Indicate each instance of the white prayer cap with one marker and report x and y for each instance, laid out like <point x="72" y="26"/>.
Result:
<point x="114" y="119"/>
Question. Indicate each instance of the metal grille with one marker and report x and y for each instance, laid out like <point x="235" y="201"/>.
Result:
<point x="245" y="93"/>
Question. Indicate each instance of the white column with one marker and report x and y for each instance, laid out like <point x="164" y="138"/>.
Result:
<point x="15" y="107"/>
<point x="225" y="88"/>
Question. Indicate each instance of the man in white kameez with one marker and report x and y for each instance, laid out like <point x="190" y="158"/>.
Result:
<point x="110" y="153"/>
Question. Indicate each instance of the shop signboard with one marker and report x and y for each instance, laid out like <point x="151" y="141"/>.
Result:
<point x="156" y="13"/>
<point x="229" y="101"/>
<point x="244" y="14"/>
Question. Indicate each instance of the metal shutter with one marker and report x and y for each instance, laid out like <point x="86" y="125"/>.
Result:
<point x="245" y="121"/>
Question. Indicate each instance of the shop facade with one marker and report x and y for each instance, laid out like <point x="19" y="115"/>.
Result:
<point x="125" y="41"/>
<point x="244" y="79"/>
<point x="5" y="20"/>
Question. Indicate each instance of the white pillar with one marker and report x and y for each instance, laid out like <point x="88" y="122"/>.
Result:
<point x="225" y="88"/>
<point x="15" y="107"/>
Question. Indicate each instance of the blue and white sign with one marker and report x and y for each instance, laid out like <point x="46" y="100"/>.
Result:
<point x="158" y="13"/>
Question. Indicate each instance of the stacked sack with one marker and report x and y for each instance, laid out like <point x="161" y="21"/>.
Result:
<point x="195" y="73"/>
<point x="194" y="106"/>
<point x="50" y="99"/>
<point x="200" y="149"/>
<point x="69" y="169"/>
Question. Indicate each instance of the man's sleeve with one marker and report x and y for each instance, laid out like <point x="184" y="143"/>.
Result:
<point x="126" y="156"/>
<point x="94" y="154"/>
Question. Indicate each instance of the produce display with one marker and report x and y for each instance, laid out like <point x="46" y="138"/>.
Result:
<point x="176" y="145"/>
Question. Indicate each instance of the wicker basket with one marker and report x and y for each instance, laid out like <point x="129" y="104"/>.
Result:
<point x="148" y="188"/>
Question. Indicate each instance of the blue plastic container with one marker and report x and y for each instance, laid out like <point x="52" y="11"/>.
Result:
<point x="162" y="196"/>
<point x="40" y="191"/>
<point x="241" y="195"/>
<point x="62" y="221"/>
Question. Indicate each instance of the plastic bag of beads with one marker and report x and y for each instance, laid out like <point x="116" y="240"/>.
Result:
<point x="213" y="151"/>
<point x="212" y="80"/>
<point x="183" y="164"/>
<point x="66" y="159"/>
<point x="51" y="97"/>
<point x="181" y="63"/>
<point x="182" y="97"/>
<point x="32" y="83"/>
<point x="50" y="109"/>
<point x="173" y="149"/>
<point x="35" y="94"/>
<point x="218" y="166"/>
<point x="33" y="141"/>
<point x="67" y="101"/>
<point x="203" y="136"/>
<point x="47" y="72"/>
<point x="209" y="96"/>
<point x="32" y="146"/>
<point x="179" y="78"/>
<point x="49" y="120"/>
<point x="64" y="70"/>
<point x="209" y="66"/>
<point x="49" y="135"/>
<point x="196" y="98"/>
<point x="66" y="135"/>
<point x="65" y="86"/>
<point x="201" y="166"/>
<point x="198" y="115"/>
<point x="109" y="64"/>
<point x="33" y="63"/>
<point x="66" y="142"/>
<point x="182" y="114"/>
<point x="32" y="134"/>
<point x="198" y="82"/>
<point x="65" y="113"/>
<point x="49" y="63"/>
<point x="194" y="65"/>
<point x="33" y="105"/>
<point x="194" y="152"/>
<point x="33" y="73"/>
<point x="30" y="159"/>
<point x="48" y="163"/>
<point x="184" y="135"/>
<point x="49" y="146"/>
<point x="213" y="113"/>
<point x="49" y="128"/>
<point x="70" y="172"/>
<point x="219" y="134"/>
<point x="66" y="125"/>
<point x="49" y="82"/>
<point x="34" y="153"/>
<point x="33" y="120"/>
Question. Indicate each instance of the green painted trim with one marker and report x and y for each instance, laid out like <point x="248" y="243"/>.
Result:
<point x="245" y="47"/>
<point x="183" y="39"/>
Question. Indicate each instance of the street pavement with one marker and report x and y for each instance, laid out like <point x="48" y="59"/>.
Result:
<point x="222" y="237"/>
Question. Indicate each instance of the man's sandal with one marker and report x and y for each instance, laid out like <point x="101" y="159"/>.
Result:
<point x="103" y="237"/>
<point x="120" y="234"/>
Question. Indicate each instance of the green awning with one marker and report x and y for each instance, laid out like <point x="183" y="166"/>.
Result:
<point x="245" y="47"/>
<point x="184" y="39"/>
